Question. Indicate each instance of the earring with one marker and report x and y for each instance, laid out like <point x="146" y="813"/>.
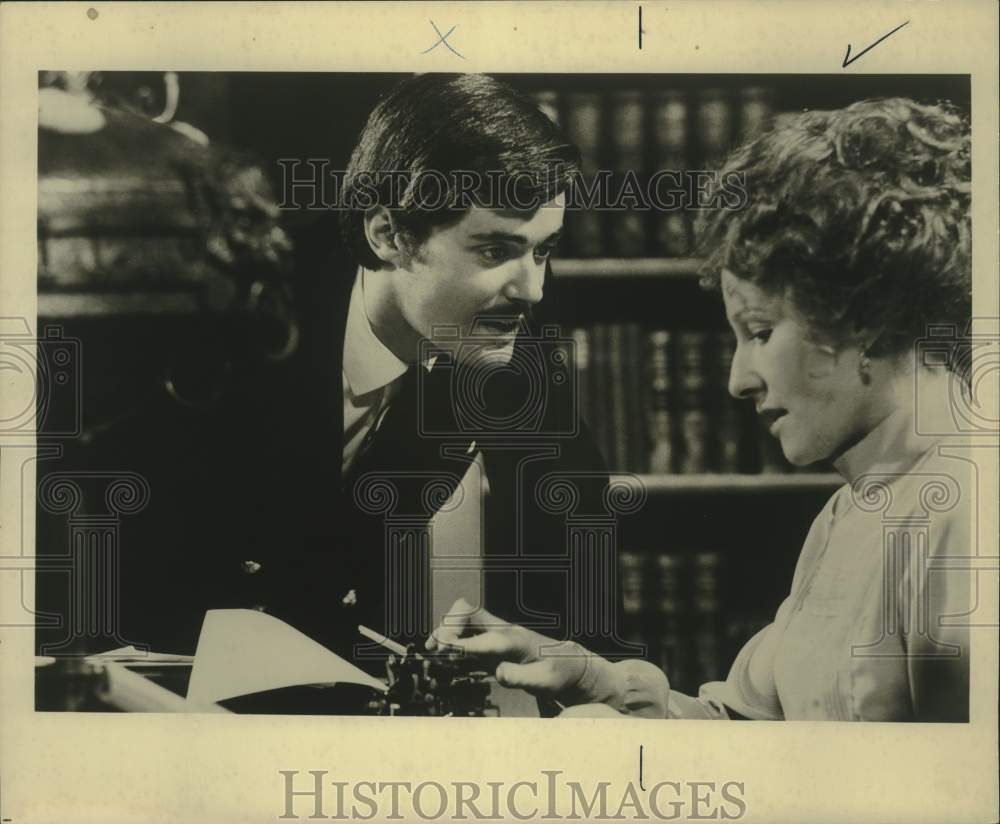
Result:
<point x="865" y="369"/>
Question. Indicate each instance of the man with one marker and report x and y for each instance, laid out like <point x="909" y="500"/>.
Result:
<point x="446" y="262"/>
<point x="410" y="452"/>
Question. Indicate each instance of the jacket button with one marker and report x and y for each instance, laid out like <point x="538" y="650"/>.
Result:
<point x="250" y="567"/>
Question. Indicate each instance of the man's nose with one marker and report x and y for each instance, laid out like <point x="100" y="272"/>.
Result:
<point x="527" y="282"/>
<point x="744" y="381"/>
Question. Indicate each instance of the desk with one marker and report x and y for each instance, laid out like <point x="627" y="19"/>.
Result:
<point x="89" y="685"/>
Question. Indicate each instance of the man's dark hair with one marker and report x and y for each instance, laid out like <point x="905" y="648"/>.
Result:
<point x="861" y="215"/>
<point x="431" y="127"/>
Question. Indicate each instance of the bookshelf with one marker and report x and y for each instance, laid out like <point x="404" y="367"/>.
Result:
<point x="708" y="560"/>
<point x="705" y="564"/>
<point x="710" y="557"/>
<point x="62" y="305"/>
<point x="725" y="483"/>
<point x="568" y="268"/>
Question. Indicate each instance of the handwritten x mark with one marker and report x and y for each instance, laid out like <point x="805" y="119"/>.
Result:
<point x="443" y="38"/>
<point x="847" y="57"/>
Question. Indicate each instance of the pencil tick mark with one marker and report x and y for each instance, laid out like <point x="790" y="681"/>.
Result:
<point x="847" y="57"/>
<point x="641" y="30"/>
<point x="443" y="39"/>
<point x="641" y="787"/>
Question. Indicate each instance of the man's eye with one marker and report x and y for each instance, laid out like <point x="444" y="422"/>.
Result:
<point x="494" y="254"/>
<point x="543" y="252"/>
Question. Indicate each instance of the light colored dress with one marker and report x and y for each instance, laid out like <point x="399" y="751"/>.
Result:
<point x="875" y="625"/>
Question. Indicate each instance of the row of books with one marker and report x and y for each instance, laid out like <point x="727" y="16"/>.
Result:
<point x="645" y="132"/>
<point x="673" y="604"/>
<point x="657" y="401"/>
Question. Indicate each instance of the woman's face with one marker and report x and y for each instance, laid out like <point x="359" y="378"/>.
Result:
<point x="811" y="396"/>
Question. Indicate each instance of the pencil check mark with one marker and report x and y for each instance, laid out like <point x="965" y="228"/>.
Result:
<point x="847" y="57"/>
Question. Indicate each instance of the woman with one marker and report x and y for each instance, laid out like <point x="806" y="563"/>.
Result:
<point x="846" y="280"/>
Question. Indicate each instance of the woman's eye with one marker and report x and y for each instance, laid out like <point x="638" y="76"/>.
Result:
<point x="762" y="335"/>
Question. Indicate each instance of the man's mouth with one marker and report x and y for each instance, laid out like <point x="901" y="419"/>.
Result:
<point x="771" y="417"/>
<point x="503" y="326"/>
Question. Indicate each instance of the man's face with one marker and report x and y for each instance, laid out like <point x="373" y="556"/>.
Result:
<point x="478" y="277"/>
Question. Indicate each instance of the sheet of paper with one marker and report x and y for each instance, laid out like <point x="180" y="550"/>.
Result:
<point x="131" y="655"/>
<point x="242" y="651"/>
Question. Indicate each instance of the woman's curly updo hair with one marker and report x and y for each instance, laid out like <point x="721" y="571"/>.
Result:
<point x="861" y="216"/>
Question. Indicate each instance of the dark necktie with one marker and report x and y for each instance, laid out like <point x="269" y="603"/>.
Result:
<point x="399" y="478"/>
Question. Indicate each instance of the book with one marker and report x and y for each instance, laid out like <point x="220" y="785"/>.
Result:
<point x="600" y="396"/>
<point x="670" y="643"/>
<point x="636" y="431"/>
<point x="727" y="424"/>
<point x="692" y="408"/>
<point x="581" y="366"/>
<point x="618" y="435"/>
<point x="670" y="130"/>
<point x="670" y="230"/>
<point x="583" y="119"/>
<point x="627" y="120"/>
<point x="673" y="233"/>
<point x="706" y="638"/>
<point x="658" y="404"/>
<point x="756" y="109"/>
<point x="657" y="401"/>
<point x="715" y="122"/>
<point x="631" y="566"/>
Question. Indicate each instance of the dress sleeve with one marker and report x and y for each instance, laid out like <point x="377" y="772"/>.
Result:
<point x="632" y="687"/>
<point x="750" y="689"/>
<point x="935" y="594"/>
<point x="636" y="687"/>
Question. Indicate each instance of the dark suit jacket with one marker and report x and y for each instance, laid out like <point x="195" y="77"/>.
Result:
<point x="248" y="509"/>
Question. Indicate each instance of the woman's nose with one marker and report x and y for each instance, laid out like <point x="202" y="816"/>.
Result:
<point x="744" y="380"/>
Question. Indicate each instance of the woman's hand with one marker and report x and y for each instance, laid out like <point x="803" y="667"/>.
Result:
<point x="523" y="658"/>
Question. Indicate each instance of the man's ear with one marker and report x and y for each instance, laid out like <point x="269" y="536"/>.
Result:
<point x="383" y="237"/>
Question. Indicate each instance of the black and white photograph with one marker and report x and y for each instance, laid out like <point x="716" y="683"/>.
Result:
<point x="608" y="399"/>
<point x="326" y="401"/>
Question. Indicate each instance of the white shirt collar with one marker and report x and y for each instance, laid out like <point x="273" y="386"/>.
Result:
<point x="368" y="363"/>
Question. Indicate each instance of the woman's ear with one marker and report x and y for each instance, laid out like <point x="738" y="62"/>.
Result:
<point x="382" y="236"/>
<point x="865" y="367"/>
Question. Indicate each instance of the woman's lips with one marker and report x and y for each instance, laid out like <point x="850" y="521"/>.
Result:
<point x="771" y="418"/>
